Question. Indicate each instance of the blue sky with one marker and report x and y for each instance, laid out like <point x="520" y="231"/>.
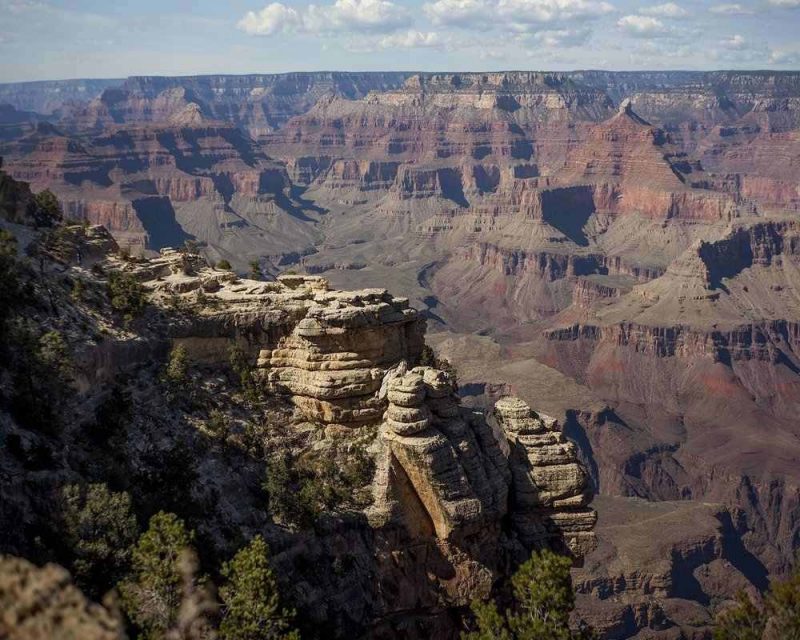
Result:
<point x="49" y="39"/>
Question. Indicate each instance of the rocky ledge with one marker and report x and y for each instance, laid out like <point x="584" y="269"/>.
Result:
<point x="342" y="358"/>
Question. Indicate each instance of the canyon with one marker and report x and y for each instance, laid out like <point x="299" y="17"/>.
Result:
<point x="620" y="251"/>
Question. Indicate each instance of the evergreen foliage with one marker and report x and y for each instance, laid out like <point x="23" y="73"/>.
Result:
<point x="777" y="619"/>
<point x="126" y="294"/>
<point x="48" y="209"/>
<point x="151" y="595"/>
<point x="100" y="529"/>
<point x="543" y="601"/>
<point x="177" y="370"/>
<point x="251" y="603"/>
<point x="745" y="621"/>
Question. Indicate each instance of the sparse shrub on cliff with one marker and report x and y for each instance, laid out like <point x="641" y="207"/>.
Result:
<point x="783" y="607"/>
<point x="283" y="503"/>
<point x="100" y="529"/>
<point x="78" y="290"/>
<point x="177" y="369"/>
<point x="54" y="354"/>
<point x="42" y="373"/>
<point x="744" y="621"/>
<point x="301" y="489"/>
<point x="218" y="425"/>
<point x="126" y="294"/>
<point x="251" y="602"/>
<point x="48" y="209"/>
<point x="543" y="601"/>
<point x="255" y="270"/>
<point x="10" y="286"/>
<point x="224" y="265"/>
<point x="151" y="595"/>
<point x="777" y="619"/>
<point x="243" y="370"/>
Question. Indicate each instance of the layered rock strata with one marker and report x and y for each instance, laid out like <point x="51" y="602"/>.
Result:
<point x="550" y="489"/>
<point x="326" y="350"/>
<point x="340" y="357"/>
<point x="334" y="360"/>
<point x="456" y="472"/>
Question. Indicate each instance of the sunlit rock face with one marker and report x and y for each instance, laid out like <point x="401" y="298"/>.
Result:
<point x="550" y="489"/>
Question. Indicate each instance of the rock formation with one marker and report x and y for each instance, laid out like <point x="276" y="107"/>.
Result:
<point x="441" y="470"/>
<point x="550" y="489"/>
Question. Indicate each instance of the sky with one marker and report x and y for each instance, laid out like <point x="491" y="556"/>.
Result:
<point x="49" y="39"/>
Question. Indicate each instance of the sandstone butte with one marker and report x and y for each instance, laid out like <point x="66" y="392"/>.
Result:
<point x="445" y="472"/>
<point x="618" y="250"/>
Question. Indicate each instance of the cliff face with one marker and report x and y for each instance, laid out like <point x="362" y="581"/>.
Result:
<point x="47" y="97"/>
<point x="439" y="518"/>
<point x="159" y="185"/>
<point x="257" y="104"/>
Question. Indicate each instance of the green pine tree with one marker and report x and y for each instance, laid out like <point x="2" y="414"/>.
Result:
<point x="543" y="601"/>
<point x="251" y="603"/>
<point x="783" y="607"/>
<point x="745" y="621"/>
<point x="100" y="530"/>
<point x="151" y="595"/>
<point x="777" y="619"/>
<point x="48" y="209"/>
<point x="177" y="369"/>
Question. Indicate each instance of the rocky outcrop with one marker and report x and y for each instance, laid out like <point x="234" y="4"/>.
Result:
<point x="333" y="361"/>
<point x="340" y="358"/>
<point x="325" y="350"/>
<point x="454" y="471"/>
<point x="550" y="489"/>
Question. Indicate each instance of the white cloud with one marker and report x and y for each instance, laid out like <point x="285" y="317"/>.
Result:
<point x="410" y="39"/>
<point x="737" y="49"/>
<point x="517" y="15"/>
<point x="785" y="57"/>
<point x="357" y="15"/>
<point x="364" y="16"/>
<point x="785" y="3"/>
<point x="735" y="43"/>
<point x="642" y="26"/>
<point x="731" y="10"/>
<point x="668" y="10"/>
<point x="559" y="38"/>
<point x="492" y="54"/>
<point x="460" y="13"/>
<point x="272" y="19"/>
<point x="528" y="11"/>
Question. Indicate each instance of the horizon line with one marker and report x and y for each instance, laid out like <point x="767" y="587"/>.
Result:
<point x="397" y="71"/>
